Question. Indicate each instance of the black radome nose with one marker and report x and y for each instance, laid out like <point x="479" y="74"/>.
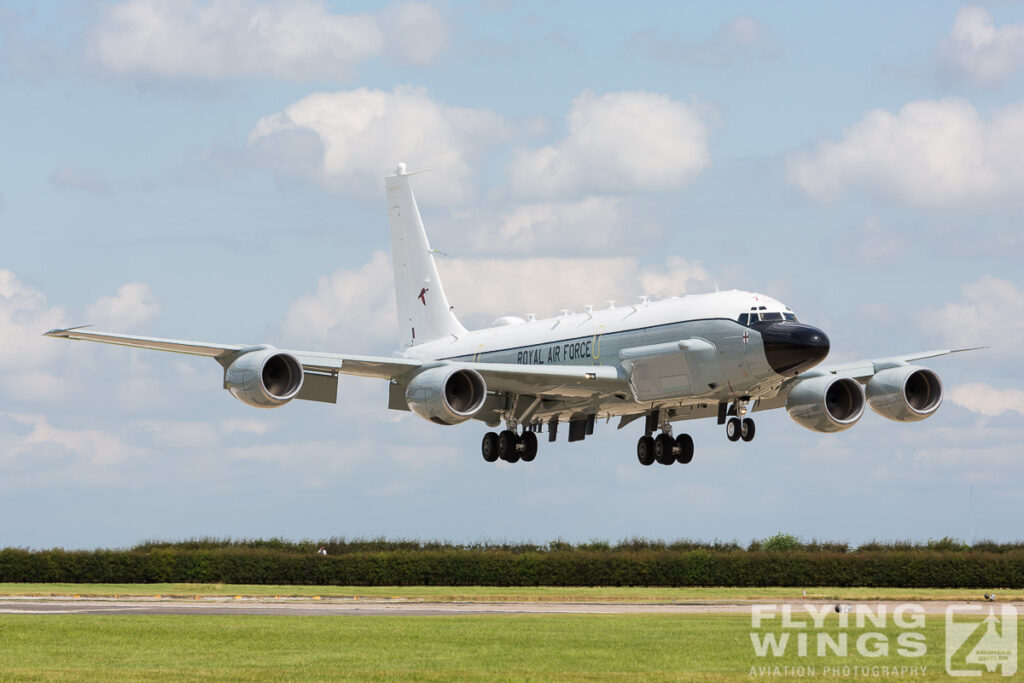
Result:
<point x="792" y="347"/>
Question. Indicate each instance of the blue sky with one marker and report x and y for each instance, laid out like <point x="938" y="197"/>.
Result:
<point x="214" y="171"/>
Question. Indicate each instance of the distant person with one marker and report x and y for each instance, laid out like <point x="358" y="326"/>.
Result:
<point x="322" y="551"/>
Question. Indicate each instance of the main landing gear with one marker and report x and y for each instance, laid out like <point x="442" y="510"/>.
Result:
<point x="509" y="446"/>
<point x="664" y="450"/>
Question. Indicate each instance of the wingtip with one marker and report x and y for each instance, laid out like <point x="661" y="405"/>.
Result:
<point x="973" y="348"/>
<point x="63" y="331"/>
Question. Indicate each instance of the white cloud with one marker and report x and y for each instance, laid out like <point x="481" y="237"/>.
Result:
<point x="244" y="426"/>
<point x="133" y="305"/>
<point x="617" y="142"/>
<point x="738" y="41"/>
<point x="94" y="445"/>
<point x="348" y="309"/>
<point x="991" y="312"/>
<point x="986" y="400"/>
<point x="977" y="52"/>
<point x="593" y="223"/>
<point x="930" y="153"/>
<point x="678" y="276"/>
<point x="300" y="40"/>
<point x="33" y="367"/>
<point x="24" y="317"/>
<point x="86" y="179"/>
<point x="350" y="140"/>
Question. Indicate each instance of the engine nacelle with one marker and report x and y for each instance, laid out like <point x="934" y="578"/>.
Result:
<point x="905" y="394"/>
<point x="826" y="404"/>
<point x="446" y="395"/>
<point x="264" y="378"/>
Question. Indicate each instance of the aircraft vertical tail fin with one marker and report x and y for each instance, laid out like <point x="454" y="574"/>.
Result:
<point x="423" y="310"/>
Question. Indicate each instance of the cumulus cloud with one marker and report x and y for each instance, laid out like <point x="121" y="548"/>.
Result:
<point x="930" y="153"/>
<point x="94" y="445"/>
<point x="990" y="312"/>
<point x="24" y="316"/>
<point x="593" y="223"/>
<point x="350" y="310"/>
<point x="85" y="179"/>
<point x="299" y="40"/>
<point x="617" y="142"/>
<point x="738" y="41"/>
<point x="350" y="140"/>
<point x="31" y="365"/>
<point x="354" y="310"/>
<point x="987" y="400"/>
<point x="978" y="53"/>
<point x="133" y="305"/>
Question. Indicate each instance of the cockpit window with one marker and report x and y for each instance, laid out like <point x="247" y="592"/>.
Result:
<point x="789" y="316"/>
<point x="771" y="316"/>
<point x="743" y="319"/>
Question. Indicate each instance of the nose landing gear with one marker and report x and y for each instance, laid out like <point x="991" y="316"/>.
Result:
<point x="736" y="429"/>
<point x="741" y="426"/>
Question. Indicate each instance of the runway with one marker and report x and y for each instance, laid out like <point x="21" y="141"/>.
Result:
<point x="400" y="607"/>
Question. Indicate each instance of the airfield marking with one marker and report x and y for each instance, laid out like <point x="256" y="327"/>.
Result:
<point x="342" y="607"/>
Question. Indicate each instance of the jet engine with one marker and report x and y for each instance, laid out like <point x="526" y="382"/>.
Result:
<point x="905" y="394"/>
<point x="826" y="404"/>
<point x="264" y="378"/>
<point x="446" y="395"/>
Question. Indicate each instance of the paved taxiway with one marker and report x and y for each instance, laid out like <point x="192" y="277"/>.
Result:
<point x="378" y="607"/>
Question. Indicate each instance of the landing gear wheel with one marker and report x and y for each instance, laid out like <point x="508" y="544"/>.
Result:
<point x="489" y="446"/>
<point x="733" y="429"/>
<point x="645" y="450"/>
<point x="529" y="441"/>
<point x="663" y="445"/>
<point x="747" y="429"/>
<point x="684" y="442"/>
<point x="507" y="442"/>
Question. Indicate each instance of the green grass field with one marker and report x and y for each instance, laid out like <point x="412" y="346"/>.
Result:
<point x="499" y="594"/>
<point x="562" y="647"/>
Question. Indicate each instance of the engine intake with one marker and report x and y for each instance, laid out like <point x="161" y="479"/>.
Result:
<point x="905" y="394"/>
<point x="264" y="378"/>
<point x="826" y="404"/>
<point x="445" y="395"/>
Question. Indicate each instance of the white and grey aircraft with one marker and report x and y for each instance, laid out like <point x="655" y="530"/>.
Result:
<point x="720" y="355"/>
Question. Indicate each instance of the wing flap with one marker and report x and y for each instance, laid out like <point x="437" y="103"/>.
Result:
<point x="317" y="387"/>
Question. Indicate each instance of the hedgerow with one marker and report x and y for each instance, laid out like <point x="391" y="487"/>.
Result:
<point x="779" y="561"/>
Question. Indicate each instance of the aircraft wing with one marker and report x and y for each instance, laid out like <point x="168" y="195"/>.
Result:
<point x="861" y="370"/>
<point x="326" y="363"/>
<point x="864" y="370"/>
<point x="549" y="380"/>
